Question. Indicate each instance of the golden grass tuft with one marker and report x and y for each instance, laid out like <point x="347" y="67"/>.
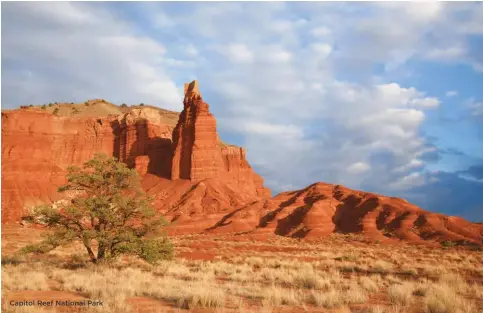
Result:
<point x="444" y="299"/>
<point x="328" y="300"/>
<point x="401" y="294"/>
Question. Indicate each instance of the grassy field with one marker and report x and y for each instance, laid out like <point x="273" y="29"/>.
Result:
<point x="240" y="274"/>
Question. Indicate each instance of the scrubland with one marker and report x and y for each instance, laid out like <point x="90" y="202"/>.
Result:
<point x="240" y="274"/>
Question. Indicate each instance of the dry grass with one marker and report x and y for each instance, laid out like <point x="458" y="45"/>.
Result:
<point x="368" y="283"/>
<point x="328" y="300"/>
<point x="17" y="278"/>
<point x="276" y="296"/>
<point x="401" y="294"/>
<point x="325" y="277"/>
<point x="444" y="299"/>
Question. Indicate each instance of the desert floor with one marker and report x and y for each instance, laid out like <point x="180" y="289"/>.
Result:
<point x="339" y="273"/>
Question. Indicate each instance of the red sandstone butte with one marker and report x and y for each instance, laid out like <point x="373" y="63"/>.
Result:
<point x="199" y="183"/>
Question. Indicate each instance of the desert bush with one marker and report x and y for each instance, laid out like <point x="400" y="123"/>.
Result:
<point x="328" y="300"/>
<point x="110" y="209"/>
<point x="277" y="296"/>
<point x="306" y="277"/>
<point x="56" y="111"/>
<point x="448" y="243"/>
<point x="400" y="294"/>
<point x="367" y="283"/>
<point x="11" y="260"/>
<point x="354" y="294"/>
<point x="18" y="278"/>
<point x="381" y="267"/>
<point x="443" y="299"/>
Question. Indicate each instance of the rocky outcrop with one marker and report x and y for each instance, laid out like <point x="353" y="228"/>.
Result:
<point x="322" y="209"/>
<point x="196" y="145"/>
<point x="38" y="146"/>
<point x="198" y="153"/>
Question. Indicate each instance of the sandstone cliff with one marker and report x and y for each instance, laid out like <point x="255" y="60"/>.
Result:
<point x="38" y="146"/>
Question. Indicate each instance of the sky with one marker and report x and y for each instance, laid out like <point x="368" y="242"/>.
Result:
<point x="386" y="97"/>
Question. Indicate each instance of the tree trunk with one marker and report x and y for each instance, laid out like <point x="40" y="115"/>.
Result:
<point x="90" y="252"/>
<point x="101" y="251"/>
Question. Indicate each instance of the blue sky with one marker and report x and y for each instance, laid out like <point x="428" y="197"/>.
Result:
<point x="385" y="97"/>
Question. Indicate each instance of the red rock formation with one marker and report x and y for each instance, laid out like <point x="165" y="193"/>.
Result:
<point x="197" y="182"/>
<point x="197" y="153"/>
<point x="321" y="209"/>
<point x="141" y="163"/>
<point x="37" y="148"/>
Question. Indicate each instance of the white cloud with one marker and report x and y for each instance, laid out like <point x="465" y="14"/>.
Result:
<point x="239" y="53"/>
<point x="476" y="108"/>
<point x="451" y="93"/>
<point x="407" y="182"/>
<point x="357" y="168"/>
<point x="448" y="53"/>
<point x="264" y="128"/>
<point x="320" y="31"/>
<point x="322" y="49"/>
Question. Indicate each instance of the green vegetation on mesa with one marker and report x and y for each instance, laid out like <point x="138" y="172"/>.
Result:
<point x="110" y="211"/>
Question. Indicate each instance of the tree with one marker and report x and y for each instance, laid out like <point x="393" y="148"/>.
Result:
<point x="110" y="211"/>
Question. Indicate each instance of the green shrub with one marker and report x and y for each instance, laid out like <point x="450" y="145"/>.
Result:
<point x="448" y="243"/>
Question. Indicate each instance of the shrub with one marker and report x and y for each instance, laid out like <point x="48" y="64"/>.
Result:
<point x="400" y="294"/>
<point x="448" y="243"/>
<point x="328" y="300"/>
<point x="56" y="111"/>
<point x="11" y="260"/>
